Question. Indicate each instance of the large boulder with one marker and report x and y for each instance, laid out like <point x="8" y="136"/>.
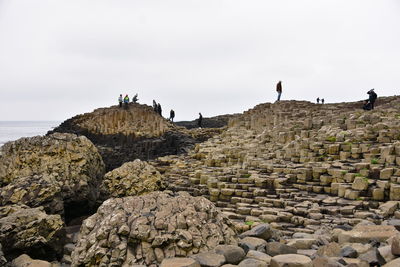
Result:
<point x="31" y="231"/>
<point x="131" y="179"/>
<point x="54" y="171"/>
<point x="146" y="229"/>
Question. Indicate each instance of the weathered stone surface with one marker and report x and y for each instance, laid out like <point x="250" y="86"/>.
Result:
<point x="366" y="233"/>
<point x="131" y="179"/>
<point x="276" y="248"/>
<point x="3" y="260"/>
<point x="263" y="231"/>
<point x="253" y="243"/>
<point x="26" y="261"/>
<point x="146" y="229"/>
<point x="393" y="263"/>
<point x="179" y="262"/>
<point x="302" y="243"/>
<point x="210" y="259"/>
<point x="291" y="260"/>
<point x="64" y="170"/>
<point x="396" y="245"/>
<point x="259" y="256"/>
<point x="253" y="263"/>
<point x="31" y="231"/>
<point x="232" y="254"/>
<point x="329" y="250"/>
<point x="388" y="208"/>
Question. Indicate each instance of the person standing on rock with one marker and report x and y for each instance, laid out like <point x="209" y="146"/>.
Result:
<point x="172" y="115"/>
<point x="159" y="109"/>
<point x="126" y="101"/>
<point x="200" y="120"/>
<point x="120" y="100"/>
<point x="279" y="90"/>
<point x="372" y="97"/>
<point x="155" y="106"/>
<point x="317" y="100"/>
<point x="322" y="101"/>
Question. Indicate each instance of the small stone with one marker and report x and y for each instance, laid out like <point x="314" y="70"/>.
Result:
<point x="253" y="243"/>
<point x="348" y="252"/>
<point x="179" y="262"/>
<point x="209" y="259"/>
<point x="263" y="231"/>
<point x="291" y="260"/>
<point x="232" y="254"/>
<point x="276" y="248"/>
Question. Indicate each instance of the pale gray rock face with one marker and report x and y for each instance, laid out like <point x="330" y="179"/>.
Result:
<point x="146" y="229"/>
<point x="50" y="171"/>
<point x="131" y="179"/>
<point x="31" y="231"/>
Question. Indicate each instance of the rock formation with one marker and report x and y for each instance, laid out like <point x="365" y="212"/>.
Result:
<point x="31" y="231"/>
<point x="131" y="179"/>
<point x="146" y="229"/>
<point x="58" y="171"/>
<point x="123" y="135"/>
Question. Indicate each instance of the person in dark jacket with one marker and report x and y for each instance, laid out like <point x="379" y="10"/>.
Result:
<point x="317" y="100"/>
<point x="172" y="115"/>
<point x="200" y="120"/>
<point x="372" y="97"/>
<point x="159" y="110"/>
<point x="279" y="90"/>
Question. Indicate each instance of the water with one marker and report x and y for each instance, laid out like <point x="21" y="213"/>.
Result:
<point x="13" y="130"/>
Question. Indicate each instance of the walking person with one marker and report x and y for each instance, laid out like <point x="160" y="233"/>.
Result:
<point x="172" y="115"/>
<point x="279" y="90"/>
<point x="317" y="100"/>
<point x="120" y="100"/>
<point x="200" y="120"/>
<point x="322" y="101"/>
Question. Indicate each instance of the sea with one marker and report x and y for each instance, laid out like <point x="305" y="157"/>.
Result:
<point x="13" y="130"/>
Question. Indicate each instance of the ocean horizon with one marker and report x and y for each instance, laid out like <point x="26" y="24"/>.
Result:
<point x="13" y="130"/>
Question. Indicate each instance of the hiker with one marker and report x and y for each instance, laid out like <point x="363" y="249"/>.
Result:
<point x="372" y="97"/>
<point x="155" y="106"/>
<point x="200" y="120"/>
<point x="159" y="110"/>
<point x="279" y="90"/>
<point x="317" y="100"/>
<point x="135" y="98"/>
<point x="172" y="115"/>
<point x="120" y="100"/>
<point x="126" y="101"/>
<point x="322" y="101"/>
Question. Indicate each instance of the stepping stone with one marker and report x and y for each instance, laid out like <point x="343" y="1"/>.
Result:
<point x="179" y="262"/>
<point x="291" y="260"/>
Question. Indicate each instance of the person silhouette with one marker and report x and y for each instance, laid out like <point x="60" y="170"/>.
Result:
<point x="200" y="120"/>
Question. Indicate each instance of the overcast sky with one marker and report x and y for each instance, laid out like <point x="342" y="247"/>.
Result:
<point x="62" y="58"/>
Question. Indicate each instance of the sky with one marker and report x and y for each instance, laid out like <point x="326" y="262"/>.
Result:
<point x="67" y="57"/>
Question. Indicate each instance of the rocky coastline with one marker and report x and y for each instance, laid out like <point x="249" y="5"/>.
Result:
<point x="291" y="184"/>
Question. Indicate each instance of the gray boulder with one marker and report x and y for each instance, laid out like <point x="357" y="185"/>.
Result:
<point x="150" y="228"/>
<point x="232" y="254"/>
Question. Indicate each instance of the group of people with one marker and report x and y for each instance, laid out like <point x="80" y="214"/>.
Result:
<point x="125" y="100"/>
<point x="368" y="103"/>
<point x="157" y="108"/>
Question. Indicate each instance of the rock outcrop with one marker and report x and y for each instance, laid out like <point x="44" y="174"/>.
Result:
<point x="146" y="229"/>
<point x="31" y="231"/>
<point x="126" y="134"/>
<point x="57" y="171"/>
<point x="131" y="179"/>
